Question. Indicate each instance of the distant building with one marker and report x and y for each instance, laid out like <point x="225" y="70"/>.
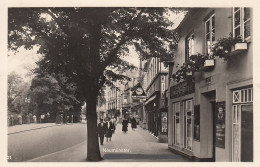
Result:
<point x="128" y="103"/>
<point x="114" y="100"/>
<point x="156" y="81"/>
<point x="102" y="105"/>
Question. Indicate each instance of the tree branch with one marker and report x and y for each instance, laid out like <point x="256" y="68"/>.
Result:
<point x="112" y="55"/>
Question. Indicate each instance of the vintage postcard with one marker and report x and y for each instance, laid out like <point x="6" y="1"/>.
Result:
<point x="112" y="82"/>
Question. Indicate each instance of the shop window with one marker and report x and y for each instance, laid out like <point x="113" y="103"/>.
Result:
<point x="188" y="124"/>
<point x="241" y="22"/>
<point x="177" y="126"/>
<point x="197" y="122"/>
<point x="210" y="33"/>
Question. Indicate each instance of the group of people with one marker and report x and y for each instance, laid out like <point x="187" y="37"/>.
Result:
<point x="125" y="124"/>
<point x="106" y="129"/>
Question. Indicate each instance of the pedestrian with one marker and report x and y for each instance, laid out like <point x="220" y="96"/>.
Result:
<point x="101" y="130"/>
<point x="114" y="122"/>
<point x="113" y="126"/>
<point x="124" y="125"/>
<point x="34" y="119"/>
<point x="110" y="131"/>
<point x="133" y="123"/>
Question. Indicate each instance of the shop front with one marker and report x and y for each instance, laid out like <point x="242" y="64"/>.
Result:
<point x="181" y="117"/>
<point x="242" y="125"/>
<point x="153" y="116"/>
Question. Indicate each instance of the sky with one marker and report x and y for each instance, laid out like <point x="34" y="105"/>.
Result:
<point x="28" y="58"/>
<point x="22" y="61"/>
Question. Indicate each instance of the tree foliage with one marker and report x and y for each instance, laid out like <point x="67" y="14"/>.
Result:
<point x="16" y="93"/>
<point x="89" y="43"/>
<point x="53" y="94"/>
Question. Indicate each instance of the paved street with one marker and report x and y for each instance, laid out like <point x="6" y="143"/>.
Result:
<point x="25" y="144"/>
<point x="136" y="145"/>
<point x="142" y="146"/>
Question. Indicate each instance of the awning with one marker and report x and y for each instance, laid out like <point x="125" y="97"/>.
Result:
<point x="150" y="99"/>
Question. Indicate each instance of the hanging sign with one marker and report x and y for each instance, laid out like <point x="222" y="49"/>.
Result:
<point x="138" y="91"/>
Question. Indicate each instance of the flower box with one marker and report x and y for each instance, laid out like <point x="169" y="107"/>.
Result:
<point x="240" y="46"/>
<point x="209" y="63"/>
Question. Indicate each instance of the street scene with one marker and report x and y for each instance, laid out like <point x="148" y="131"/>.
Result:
<point x="45" y="145"/>
<point x="130" y="84"/>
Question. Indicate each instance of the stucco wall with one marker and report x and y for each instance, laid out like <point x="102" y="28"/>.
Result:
<point x="223" y="74"/>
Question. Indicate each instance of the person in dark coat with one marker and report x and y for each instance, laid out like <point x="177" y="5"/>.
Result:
<point x="102" y="129"/>
<point x="110" y="131"/>
<point x="133" y="123"/>
<point x="124" y="125"/>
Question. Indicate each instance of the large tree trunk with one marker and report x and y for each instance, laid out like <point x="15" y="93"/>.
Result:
<point x="93" y="152"/>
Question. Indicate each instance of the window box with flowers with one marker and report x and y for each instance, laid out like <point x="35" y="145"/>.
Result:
<point x="194" y="64"/>
<point x="228" y="48"/>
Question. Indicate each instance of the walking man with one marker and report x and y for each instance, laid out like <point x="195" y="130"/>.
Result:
<point x="124" y="125"/>
<point x="102" y="128"/>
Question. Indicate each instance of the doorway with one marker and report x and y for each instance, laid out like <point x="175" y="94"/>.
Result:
<point x="242" y="125"/>
<point x="213" y="106"/>
<point x="208" y="104"/>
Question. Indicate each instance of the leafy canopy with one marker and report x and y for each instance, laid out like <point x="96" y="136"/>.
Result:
<point x="88" y="44"/>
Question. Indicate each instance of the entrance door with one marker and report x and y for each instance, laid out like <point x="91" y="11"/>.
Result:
<point x="213" y="105"/>
<point x="242" y="130"/>
<point x="247" y="133"/>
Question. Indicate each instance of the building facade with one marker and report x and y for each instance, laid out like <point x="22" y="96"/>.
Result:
<point x="156" y="113"/>
<point x="114" y="101"/>
<point x="211" y="114"/>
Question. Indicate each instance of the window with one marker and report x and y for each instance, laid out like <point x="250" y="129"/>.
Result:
<point x="176" y="111"/>
<point x="241" y="22"/>
<point x="210" y="33"/>
<point x="242" y="125"/>
<point x="190" y="46"/>
<point x="197" y="122"/>
<point x="243" y="95"/>
<point x="188" y="125"/>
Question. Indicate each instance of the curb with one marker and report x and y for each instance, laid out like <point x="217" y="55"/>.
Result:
<point x="35" y="129"/>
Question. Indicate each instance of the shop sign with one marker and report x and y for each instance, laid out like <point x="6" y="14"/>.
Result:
<point x="164" y="121"/>
<point x="220" y="124"/>
<point x="138" y="92"/>
<point x="182" y="89"/>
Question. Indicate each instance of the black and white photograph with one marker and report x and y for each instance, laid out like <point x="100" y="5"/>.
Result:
<point x="129" y="83"/>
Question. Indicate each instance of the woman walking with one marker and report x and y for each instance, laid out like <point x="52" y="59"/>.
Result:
<point x="124" y="125"/>
<point x="133" y="123"/>
<point x="110" y="131"/>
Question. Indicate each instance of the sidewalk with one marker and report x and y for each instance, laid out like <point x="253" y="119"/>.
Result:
<point x="134" y="146"/>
